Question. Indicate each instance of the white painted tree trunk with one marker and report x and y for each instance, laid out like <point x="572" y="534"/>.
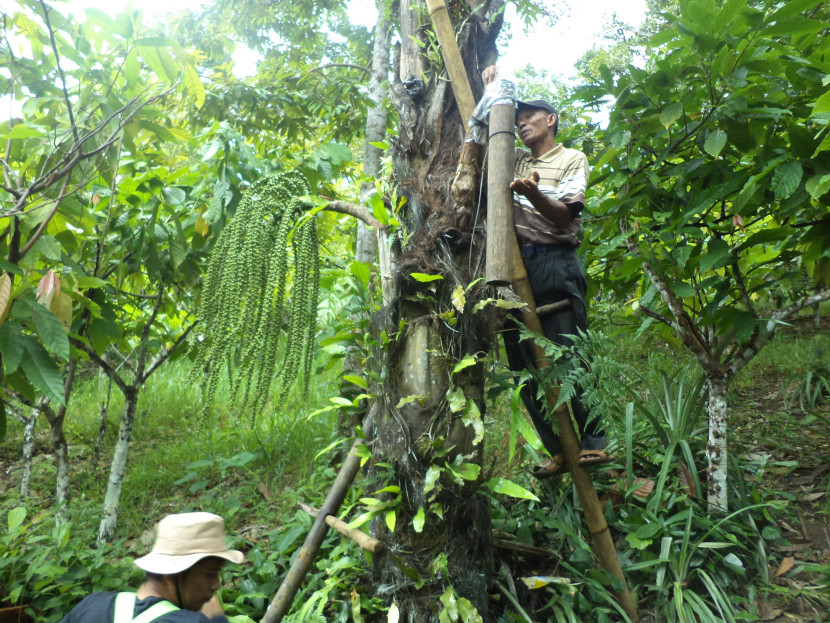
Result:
<point x="109" y="515"/>
<point x="716" y="448"/>
<point x="28" y="452"/>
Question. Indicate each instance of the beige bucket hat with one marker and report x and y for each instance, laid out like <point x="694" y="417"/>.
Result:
<point x="184" y="539"/>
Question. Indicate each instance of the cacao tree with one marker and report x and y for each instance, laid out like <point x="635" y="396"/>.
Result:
<point x="715" y="171"/>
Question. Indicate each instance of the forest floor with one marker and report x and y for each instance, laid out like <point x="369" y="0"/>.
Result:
<point x="769" y="425"/>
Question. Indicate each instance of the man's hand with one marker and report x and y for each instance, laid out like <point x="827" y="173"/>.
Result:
<point x="489" y="74"/>
<point x="527" y="187"/>
<point x="552" y="209"/>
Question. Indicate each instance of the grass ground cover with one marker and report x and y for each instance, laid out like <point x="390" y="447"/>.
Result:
<point x="770" y="562"/>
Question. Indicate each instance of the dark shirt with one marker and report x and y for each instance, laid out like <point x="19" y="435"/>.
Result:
<point x="100" y="608"/>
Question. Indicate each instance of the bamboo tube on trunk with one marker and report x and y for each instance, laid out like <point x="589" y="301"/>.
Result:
<point x="358" y="536"/>
<point x="302" y="563"/>
<point x="604" y="547"/>
<point x="501" y="171"/>
<point x="442" y="25"/>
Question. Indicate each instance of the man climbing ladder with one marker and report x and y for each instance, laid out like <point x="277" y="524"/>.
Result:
<point x="549" y="195"/>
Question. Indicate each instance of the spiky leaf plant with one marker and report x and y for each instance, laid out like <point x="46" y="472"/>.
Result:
<point x="252" y="297"/>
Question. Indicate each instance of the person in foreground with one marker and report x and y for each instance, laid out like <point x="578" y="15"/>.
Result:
<point x="182" y="577"/>
<point x="549" y="195"/>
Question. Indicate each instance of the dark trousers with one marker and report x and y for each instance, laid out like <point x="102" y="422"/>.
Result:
<point x="554" y="274"/>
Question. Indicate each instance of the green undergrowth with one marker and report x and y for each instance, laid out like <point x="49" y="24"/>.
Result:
<point x="681" y="562"/>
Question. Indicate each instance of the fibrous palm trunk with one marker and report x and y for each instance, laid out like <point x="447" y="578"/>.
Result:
<point x="418" y="432"/>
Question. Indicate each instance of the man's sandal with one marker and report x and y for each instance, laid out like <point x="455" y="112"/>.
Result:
<point x="551" y="467"/>
<point x="594" y="457"/>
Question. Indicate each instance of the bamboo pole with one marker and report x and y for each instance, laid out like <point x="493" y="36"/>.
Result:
<point x="358" y="536"/>
<point x="500" y="173"/>
<point x="442" y="25"/>
<point x="302" y="563"/>
<point x="600" y="535"/>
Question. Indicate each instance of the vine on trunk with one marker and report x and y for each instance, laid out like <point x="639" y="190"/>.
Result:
<point x="244" y="311"/>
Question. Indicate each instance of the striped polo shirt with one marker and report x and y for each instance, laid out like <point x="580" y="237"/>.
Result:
<point x="563" y="175"/>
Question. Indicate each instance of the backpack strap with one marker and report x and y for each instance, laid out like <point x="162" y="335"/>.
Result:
<point x="125" y="606"/>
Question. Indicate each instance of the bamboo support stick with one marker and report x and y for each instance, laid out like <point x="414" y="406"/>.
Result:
<point x="302" y="563"/>
<point x="358" y="536"/>
<point x="553" y="307"/>
<point x="442" y="25"/>
<point x="501" y="171"/>
<point x="604" y="547"/>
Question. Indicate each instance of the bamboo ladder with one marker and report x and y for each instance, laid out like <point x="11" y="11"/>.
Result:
<point x="505" y="265"/>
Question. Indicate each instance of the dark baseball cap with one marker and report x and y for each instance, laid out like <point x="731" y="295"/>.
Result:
<point x="537" y="104"/>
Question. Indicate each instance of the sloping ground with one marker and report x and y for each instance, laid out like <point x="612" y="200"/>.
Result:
<point x="777" y="427"/>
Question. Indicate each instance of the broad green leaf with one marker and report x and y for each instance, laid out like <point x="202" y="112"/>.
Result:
<point x="431" y="478"/>
<point x="11" y="345"/>
<point x="822" y="104"/>
<point x="391" y="518"/>
<point x="16" y="517"/>
<point x="2" y="419"/>
<point x="456" y="399"/>
<point x="716" y="250"/>
<point x="671" y="113"/>
<point x="173" y="195"/>
<point x="21" y="130"/>
<point x="194" y="86"/>
<point x="351" y="378"/>
<point x="42" y="371"/>
<point x="424" y="278"/>
<point x="469" y="360"/>
<point x="418" y="520"/>
<point x="786" y="179"/>
<point x="715" y="142"/>
<point x="467" y="471"/>
<point x="51" y="331"/>
<point x="360" y="271"/>
<point x="508" y="487"/>
<point x="817" y="186"/>
<point x="796" y="26"/>
<point x="683" y="290"/>
<point x="472" y="418"/>
<point x="178" y="248"/>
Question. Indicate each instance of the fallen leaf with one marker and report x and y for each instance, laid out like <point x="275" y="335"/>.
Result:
<point x="786" y="564"/>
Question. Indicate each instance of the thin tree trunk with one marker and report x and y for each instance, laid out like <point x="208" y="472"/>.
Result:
<point x="367" y="242"/>
<point x="109" y="515"/>
<point x="60" y="446"/>
<point x="716" y="449"/>
<point x="28" y="451"/>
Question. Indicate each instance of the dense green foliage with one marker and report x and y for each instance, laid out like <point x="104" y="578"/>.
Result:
<point x="137" y="154"/>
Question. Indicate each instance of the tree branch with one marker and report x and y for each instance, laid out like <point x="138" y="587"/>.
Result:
<point x="773" y="323"/>
<point x="331" y="65"/>
<point x="657" y="316"/>
<point x="45" y="222"/>
<point x="357" y="211"/>
<point x="165" y="353"/>
<point x="60" y="69"/>
<point x="101" y="363"/>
